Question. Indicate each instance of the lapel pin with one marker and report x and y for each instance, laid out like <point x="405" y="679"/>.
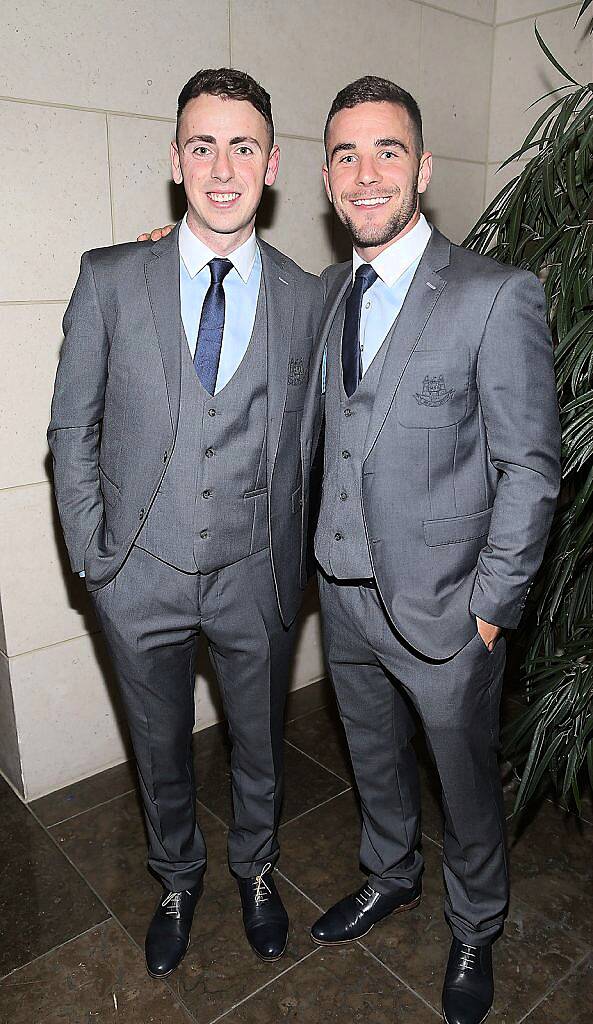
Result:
<point x="433" y="286"/>
<point x="282" y="279"/>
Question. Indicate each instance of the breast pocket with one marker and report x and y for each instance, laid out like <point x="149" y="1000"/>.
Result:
<point x="433" y="389"/>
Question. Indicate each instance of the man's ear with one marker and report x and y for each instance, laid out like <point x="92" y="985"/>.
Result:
<point x="273" y="163"/>
<point x="176" y="171"/>
<point x="424" y="172"/>
<point x="328" y="191"/>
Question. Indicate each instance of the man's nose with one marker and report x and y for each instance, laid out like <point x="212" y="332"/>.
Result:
<point x="222" y="169"/>
<point x="368" y="172"/>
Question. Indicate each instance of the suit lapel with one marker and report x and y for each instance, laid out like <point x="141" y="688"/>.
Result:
<point x="162" y="281"/>
<point x="339" y="285"/>
<point x="422" y="297"/>
<point x="280" y="300"/>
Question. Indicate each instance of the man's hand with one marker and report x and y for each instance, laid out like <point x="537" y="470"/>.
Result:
<point x="156" y="233"/>
<point x="488" y="632"/>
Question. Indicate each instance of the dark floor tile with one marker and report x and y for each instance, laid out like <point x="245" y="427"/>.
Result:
<point x="43" y="901"/>
<point x="571" y="1002"/>
<point x="108" y="846"/>
<point x="552" y="867"/>
<point x="85" y="794"/>
<point x="319" y="852"/>
<point x="308" y="698"/>
<point x="98" y="977"/>
<point x="532" y="954"/>
<point x="321" y="735"/>
<point x="335" y="986"/>
<point x="306" y="783"/>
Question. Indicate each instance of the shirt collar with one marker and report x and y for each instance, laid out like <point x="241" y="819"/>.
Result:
<point x="399" y="256"/>
<point x="195" y="254"/>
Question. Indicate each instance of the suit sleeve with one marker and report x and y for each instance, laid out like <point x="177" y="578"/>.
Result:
<point x="517" y="395"/>
<point x="76" y="415"/>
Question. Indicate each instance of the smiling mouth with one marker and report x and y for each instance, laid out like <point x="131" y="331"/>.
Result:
<point x="223" y="198"/>
<point x="375" y="201"/>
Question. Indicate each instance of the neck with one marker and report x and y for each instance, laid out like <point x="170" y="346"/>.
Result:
<point x="219" y="242"/>
<point x="370" y="252"/>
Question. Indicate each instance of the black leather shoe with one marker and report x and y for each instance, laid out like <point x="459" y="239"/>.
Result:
<point x="469" y="986"/>
<point x="264" y="916"/>
<point x="355" y="915"/>
<point x="168" y="935"/>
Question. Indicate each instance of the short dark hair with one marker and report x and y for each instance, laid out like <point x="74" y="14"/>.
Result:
<point x="229" y="84"/>
<point x="372" y="89"/>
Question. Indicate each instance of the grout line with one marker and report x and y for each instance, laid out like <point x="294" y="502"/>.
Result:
<point x="537" y="14"/>
<point x="300" y="891"/>
<point x="102" y="803"/>
<point x="400" y="979"/>
<point x="489" y="109"/>
<point x="230" y="24"/>
<point x="111" y="208"/>
<point x="265" y="985"/>
<point x="85" y="110"/>
<point x="57" y="643"/>
<point x="297" y="817"/>
<point x="454" y="14"/>
<point x="559" y="981"/>
<point x="60" y="945"/>
<point x="33" y="302"/>
<point x="315" y="761"/>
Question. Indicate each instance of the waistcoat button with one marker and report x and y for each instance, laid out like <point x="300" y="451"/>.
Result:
<point x="343" y="495"/>
<point x="345" y="455"/>
<point x="212" y="412"/>
<point x="203" y="534"/>
<point x="347" y="412"/>
<point x="338" y="536"/>
<point x="209" y="453"/>
<point x="207" y="494"/>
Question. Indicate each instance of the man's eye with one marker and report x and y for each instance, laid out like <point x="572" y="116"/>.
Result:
<point x="347" y="159"/>
<point x="200" y="151"/>
<point x="245" y="150"/>
<point x="388" y="154"/>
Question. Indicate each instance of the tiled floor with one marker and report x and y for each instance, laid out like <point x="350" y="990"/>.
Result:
<point x="75" y="900"/>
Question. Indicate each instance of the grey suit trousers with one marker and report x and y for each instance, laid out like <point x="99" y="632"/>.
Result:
<point x="151" y="615"/>
<point x="458" y="703"/>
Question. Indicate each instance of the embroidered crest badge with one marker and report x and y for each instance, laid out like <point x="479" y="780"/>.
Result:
<point x="434" y="391"/>
<point x="296" y="371"/>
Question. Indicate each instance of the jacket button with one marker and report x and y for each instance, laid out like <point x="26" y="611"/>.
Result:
<point x="203" y="534"/>
<point x="212" y="412"/>
<point x="209" y="453"/>
<point x="141" y="513"/>
<point x="207" y="494"/>
<point x="345" y="454"/>
<point x="338" y="536"/>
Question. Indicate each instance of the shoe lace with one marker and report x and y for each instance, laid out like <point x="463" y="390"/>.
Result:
<point x="366" y="893"/>
<point x="468" y="957"/>
<point x="262" y="889"/>
<point x="173" y="903"/>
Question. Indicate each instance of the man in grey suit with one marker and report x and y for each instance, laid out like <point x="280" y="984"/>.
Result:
<point x="182" y="491"/>
<point x="440" y="481"/>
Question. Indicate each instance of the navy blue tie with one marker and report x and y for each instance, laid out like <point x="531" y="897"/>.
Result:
<point x="209" y="344"/>
<point x="351" y="362"/>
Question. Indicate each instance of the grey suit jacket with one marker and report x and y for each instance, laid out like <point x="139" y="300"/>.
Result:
<point x="461" y="465"/>
<point x="116" y="404"/>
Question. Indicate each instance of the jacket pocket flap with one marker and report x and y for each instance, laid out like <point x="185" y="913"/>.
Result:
<point x="458" y="529"/>
<point x="109" y="490"/>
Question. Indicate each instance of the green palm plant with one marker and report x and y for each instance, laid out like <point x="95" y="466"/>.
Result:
<point x="543" y="220"/>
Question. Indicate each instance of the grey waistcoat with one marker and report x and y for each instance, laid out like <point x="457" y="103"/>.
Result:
<point x="211" y="509"/>
<point x="341" y="545"/>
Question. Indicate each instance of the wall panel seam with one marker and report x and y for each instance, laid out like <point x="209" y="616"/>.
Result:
<point x="455" y="14"/>
<point x="537" y="14"/>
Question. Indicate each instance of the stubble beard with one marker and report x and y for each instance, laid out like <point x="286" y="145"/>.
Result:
<point x="371" y="235"/>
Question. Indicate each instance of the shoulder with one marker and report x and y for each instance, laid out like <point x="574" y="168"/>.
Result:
<point x="117" y="256"/>
<point x="480" y="269"/>
<point x="303" y="279"/>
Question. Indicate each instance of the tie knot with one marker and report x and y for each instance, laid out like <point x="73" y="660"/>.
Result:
<point x="219" y="269"/>
<point x="365" y="276"/>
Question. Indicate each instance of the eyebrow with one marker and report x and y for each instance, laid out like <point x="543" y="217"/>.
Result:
<point x="379" y="144"/>
<point x="236" y="141"/>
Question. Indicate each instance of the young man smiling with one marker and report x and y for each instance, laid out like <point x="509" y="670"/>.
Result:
<point x="182" y="491"/>
<point x="441" y="474"/>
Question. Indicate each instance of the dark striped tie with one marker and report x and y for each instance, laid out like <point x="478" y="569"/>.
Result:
<point x="209" y="344"/>
<point x="351" y="362"/>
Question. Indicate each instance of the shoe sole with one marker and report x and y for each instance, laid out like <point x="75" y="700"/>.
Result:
<point x="479" y="1022"/>
<point x="158" y="977"/>
<point x="392" y="913"/>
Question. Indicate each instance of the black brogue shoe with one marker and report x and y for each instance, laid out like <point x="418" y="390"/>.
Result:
<point x="264" y="916"/>
<point x="468" y="990"/>
<point x="168" y="935"/>
<point x="355" y="915"/>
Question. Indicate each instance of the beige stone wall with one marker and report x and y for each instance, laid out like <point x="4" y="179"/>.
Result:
<point x="87" y="100"/>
